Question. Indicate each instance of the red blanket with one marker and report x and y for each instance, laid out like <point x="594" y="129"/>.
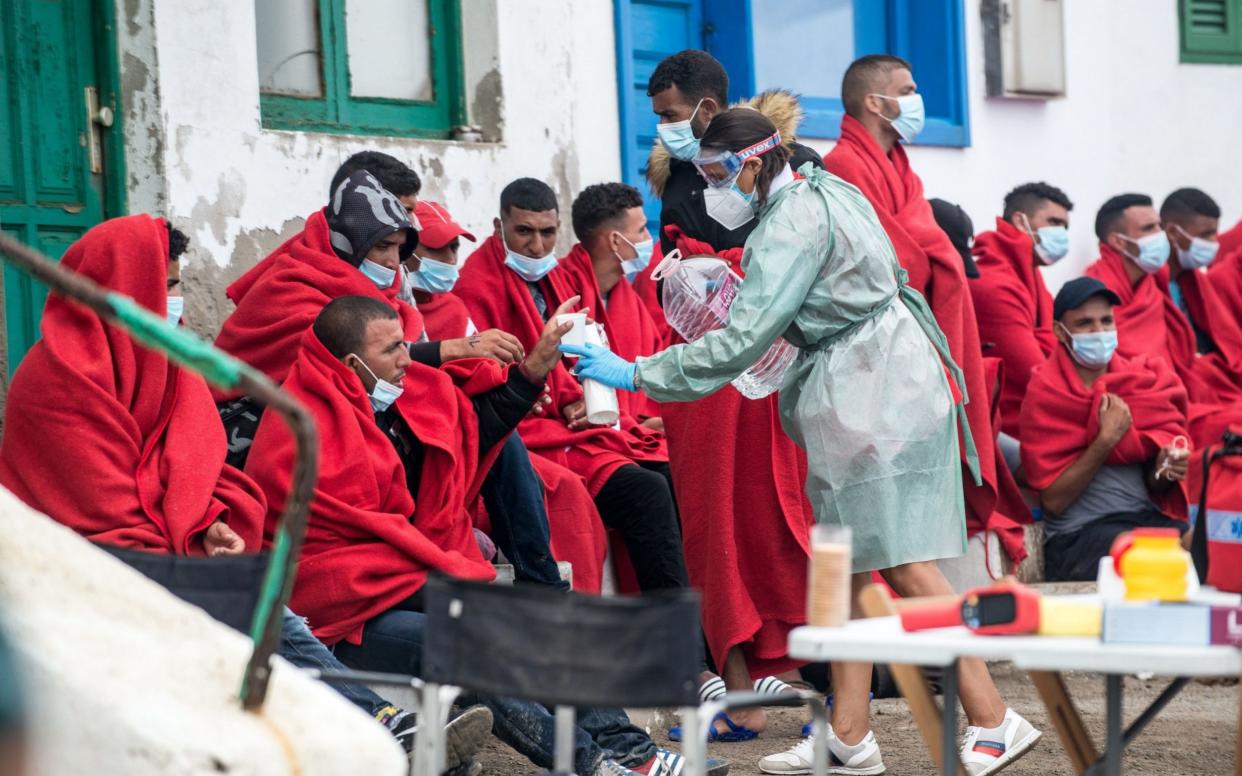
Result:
<point x="1013" y="310"/>
<point x="497" y="298"/>
<point x="631" y="333"/>
<point x="744" y="512"/>
<point x="1061" y="417"/>
<point x="1231" y="239"/>
<point x="935" y="270"/>
<point x="444" y="316"/>
<point x="370" y="543"/>
<point x="1225" y="275"/>
<point x="1212" y="312"/>
<point x="108" y="437"/>
<point x="1149" y="323"/>
<point x="278" y="299"/>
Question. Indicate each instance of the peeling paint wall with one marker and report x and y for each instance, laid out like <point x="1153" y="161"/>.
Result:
<point x="543" y="94"/>
<point x="140" y="107"/>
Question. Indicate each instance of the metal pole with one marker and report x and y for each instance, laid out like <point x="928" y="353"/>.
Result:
<point x="949" y="762"/>
<point x="1113" y="742"/>
<point x="564" y="742"/>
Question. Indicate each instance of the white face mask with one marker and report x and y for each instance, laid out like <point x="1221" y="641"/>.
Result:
<point x="176" y="306"/>
<point x="380" y="275"/>
<point x="1200" y="254"/>
<point x="384" y="393"/>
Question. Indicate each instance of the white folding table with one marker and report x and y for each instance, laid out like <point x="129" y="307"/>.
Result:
<point x="882" y="640"/>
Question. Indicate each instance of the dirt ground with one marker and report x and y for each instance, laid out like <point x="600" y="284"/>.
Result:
<point x="1194" y="736"/>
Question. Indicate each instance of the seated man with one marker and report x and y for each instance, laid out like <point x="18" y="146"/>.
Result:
<point x="512" y="282"/>
<point x="1097" y="436"/>
<point x="151" y="474"/>
<point x="403" y="449"/>
<point x="613" y="247"/>
<point x="1191" y="219"/>
<point x="1012" y="305"/>
<point x="1133" y="251"/>
<point x="428" y="276"/>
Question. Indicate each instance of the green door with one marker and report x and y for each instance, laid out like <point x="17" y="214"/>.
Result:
<point x="57" y="139"/>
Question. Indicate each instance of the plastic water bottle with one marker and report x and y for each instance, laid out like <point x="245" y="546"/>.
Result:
<point x="697" y="294"/>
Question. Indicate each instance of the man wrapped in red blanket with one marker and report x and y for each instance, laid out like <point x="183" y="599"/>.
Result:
<point x="1012" y="305"/>
<point x="1134" y="250"/>
<point x="1103" y="436"/>
<point x="875" y="91"/>
<point x="513" y="282"/>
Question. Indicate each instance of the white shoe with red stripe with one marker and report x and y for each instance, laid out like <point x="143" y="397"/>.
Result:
<point x="987" y="752"/>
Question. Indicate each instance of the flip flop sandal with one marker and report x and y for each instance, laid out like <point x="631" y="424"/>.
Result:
<point x="735" y="734"/>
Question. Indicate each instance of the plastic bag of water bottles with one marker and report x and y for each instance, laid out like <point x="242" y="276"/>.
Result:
<point x="697" y="294"/>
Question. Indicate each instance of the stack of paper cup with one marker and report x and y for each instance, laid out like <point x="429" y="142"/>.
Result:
<point x="601" y="401"/>
<point x="828" y="583"/>
<point x="576" y="335"/>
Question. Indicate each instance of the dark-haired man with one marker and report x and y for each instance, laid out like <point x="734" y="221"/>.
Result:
<point x="687" y="89"/>
<point x="1191" y="218"/>
<point x="883" y="108"/>
<point x="1134" y="249"/>
<point x="512" y="282"/>
<point x="1012" y="305"/>
<point x="407" y="448"/>
<point x="1098" y="434"/>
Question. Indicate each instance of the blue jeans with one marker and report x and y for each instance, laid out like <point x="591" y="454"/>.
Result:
<point x="513" y="495"/>
<point x="300" y="647"/>
<point x="393" y="642"/>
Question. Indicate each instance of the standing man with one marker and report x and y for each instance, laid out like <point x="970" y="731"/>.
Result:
<point x="882" y="107"/>
<point x="1012" y="304"/>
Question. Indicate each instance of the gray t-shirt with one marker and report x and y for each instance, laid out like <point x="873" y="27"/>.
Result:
<point x="1113" y="489"/>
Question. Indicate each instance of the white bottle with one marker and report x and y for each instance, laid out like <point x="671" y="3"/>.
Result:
<point x="601" y="401"/>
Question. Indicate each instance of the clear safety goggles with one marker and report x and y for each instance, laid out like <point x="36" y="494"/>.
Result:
<point x="719" y="167"/>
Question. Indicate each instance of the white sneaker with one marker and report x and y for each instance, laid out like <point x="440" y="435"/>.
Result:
<point x="865" y="761"/>
<point x="983" y="756"/>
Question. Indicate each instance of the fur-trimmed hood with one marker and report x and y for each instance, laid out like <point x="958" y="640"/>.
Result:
<point x="779" y="105"/>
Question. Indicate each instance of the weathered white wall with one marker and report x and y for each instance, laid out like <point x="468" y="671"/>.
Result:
<point x="541" y="80"/>
<point x="1134" y="119"/>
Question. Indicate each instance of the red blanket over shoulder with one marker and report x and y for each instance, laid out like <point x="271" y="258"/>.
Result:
<point x="740" y="483"/>
<point x="497" y="298"/>
<point x="1231" y="239"/>
<point x="1211" y="311"/>
<point x="578" y="536"/>
<point x="444" y="316"/>
<point x="1061" y="417"/>
<point x="108" y="437"/>
<point x="1225" y="275"/>
<point x="631" y="333"/>
<point x="935" y="270"/>
<point x="278" y="299"/>
<point x="370" y="543"/>
<point x="1014" y="312"/>
<point x="1149" y="323"/>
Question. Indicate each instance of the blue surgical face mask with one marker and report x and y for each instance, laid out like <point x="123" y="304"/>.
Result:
<point x="530" y="270"/>
<point x="1093" y="349"/>
<point x="1200" y="254"/>
<point x="643" y="250"/>
<point x="380" y="275"/>
<point x="909" y="122"/>
<point x="1053" y="243"/>
<point x="434" y="277"/>
<point x="1153" y="251"/>
<point x="678" y="137"/>
<point x="384" y="393"/>
<point x="176" y="306"/>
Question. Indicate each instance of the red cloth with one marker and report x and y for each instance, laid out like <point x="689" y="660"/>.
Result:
<point x="108" y="437"/>
<point x="1231" y="239"/>
<point x="498" y="298"/>
<point x="1061" y="417"/>
<point x="1225" y="275"/>
<point x="739" y="481"/>
<point x="278" y="299"/>
<point x="444" y="316"/>
<point x="1014" y="312"/>
<point x="370" y="543"/>
<point x="935" y="270"/>
<point x="1211" y="311"/>
<point x="1149" y="323"/>
<point x="631" y="333"/>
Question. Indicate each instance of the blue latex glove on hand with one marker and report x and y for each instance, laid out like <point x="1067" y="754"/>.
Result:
<point x="602" y="365"/>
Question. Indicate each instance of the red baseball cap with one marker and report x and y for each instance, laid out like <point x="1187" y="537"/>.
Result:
<point x="439" y="228"/>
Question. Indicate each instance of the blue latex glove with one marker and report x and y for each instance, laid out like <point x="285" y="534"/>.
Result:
<point x="602" y="365"/>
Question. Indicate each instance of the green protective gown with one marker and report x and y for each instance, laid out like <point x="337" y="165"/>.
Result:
<point x="867" y="397"/>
